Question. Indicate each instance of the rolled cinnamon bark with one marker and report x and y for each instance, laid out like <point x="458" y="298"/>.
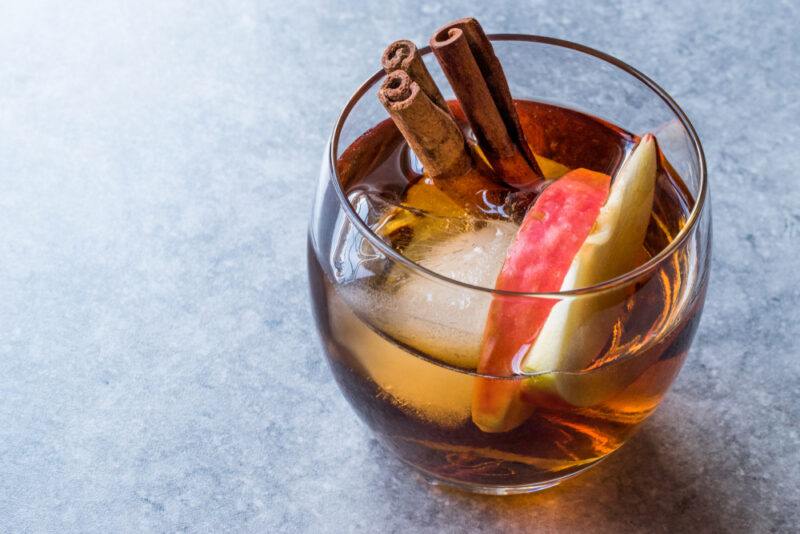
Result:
<point x="468" y="60"/>
<point x="403" y="55"/>
<point x="429" y="130"/>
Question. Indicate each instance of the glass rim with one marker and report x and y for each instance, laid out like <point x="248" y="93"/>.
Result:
<point x="646" y="268"/>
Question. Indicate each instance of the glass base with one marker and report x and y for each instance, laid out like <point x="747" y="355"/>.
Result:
<point x="435" y="480"/>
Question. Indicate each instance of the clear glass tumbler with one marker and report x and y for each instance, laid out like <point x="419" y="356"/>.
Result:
<point x="401" y="339"/>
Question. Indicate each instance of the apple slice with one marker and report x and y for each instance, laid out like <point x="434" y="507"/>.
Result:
<point x="550" y="236"/>
<point x="551" y="169"/>
<point x="577" y="329"/>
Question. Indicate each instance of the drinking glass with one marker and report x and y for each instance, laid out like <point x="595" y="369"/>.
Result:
<point x="396" y="334"/>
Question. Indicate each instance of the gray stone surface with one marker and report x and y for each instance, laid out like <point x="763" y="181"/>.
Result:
<point x="159" y="369"/>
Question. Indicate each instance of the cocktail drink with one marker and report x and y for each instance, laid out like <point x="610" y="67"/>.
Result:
<point x="506" y="288"/>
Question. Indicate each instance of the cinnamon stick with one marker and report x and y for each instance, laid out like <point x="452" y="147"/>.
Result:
<point x="473" y="70"/>
<point x="403" y="55"/>
<point x="430" y="131"/>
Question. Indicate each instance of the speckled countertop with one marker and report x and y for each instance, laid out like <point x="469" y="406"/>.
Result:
<point x="159" y="369"/>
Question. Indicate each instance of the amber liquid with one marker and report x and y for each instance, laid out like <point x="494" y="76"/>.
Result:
<point x="415" y="391"/>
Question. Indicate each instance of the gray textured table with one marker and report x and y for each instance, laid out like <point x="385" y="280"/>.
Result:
<point x="159" y="369"/>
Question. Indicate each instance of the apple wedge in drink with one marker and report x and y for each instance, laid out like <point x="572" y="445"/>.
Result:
<point x="550" y="236"/>
<point x="564" y="247"/>
<point x="577" y="329"/>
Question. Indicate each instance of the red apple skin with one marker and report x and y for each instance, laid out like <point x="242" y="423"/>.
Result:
<point x="537" y="261"/>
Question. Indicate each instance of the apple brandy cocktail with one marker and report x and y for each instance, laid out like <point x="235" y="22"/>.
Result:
<point x="506" y="288"/>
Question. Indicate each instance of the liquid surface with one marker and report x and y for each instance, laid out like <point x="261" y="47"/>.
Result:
<point x="414" y="213"/>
